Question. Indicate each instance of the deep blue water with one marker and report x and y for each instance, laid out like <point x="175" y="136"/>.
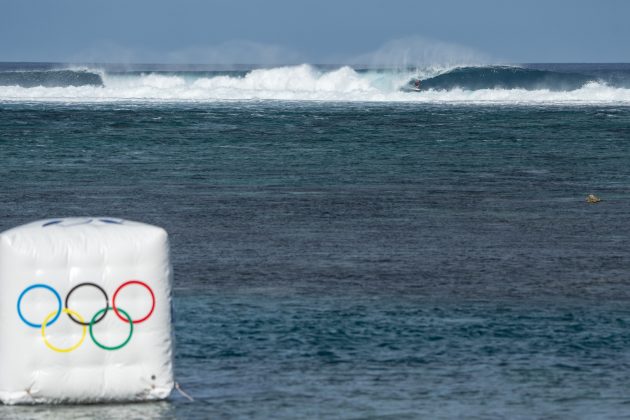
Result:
<point x="359" y="260"/>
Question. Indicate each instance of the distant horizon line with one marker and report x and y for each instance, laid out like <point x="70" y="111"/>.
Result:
<point x="138" y="66"/>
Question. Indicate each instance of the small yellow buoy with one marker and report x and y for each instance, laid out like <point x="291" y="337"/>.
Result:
<point x="593" y="199"/>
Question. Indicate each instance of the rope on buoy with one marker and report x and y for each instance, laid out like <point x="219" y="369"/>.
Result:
<point x="183" y="393"/>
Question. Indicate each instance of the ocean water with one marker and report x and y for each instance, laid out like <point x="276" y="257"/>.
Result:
<point x="345" y="247"/>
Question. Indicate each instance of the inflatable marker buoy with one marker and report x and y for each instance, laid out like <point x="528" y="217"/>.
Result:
<point x="85" y="312"/>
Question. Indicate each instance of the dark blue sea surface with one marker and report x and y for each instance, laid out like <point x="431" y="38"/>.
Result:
<point x="353" y="260"/>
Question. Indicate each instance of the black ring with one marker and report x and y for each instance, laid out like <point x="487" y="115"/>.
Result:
<point x="106" y="303"/>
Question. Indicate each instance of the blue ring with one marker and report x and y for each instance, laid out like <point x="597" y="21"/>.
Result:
<point x="35" y="286"/>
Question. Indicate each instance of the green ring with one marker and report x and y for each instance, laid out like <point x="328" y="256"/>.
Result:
<point x="95" y="317"/>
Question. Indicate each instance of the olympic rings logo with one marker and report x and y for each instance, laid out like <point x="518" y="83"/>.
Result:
<point x="75" y="317"/>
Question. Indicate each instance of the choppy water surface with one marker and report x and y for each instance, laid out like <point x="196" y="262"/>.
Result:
<point x="359" y="260"/>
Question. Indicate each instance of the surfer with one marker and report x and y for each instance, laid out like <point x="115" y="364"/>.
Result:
<point x="417" y="84"/>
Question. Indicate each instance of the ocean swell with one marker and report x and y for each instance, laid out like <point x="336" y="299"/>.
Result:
<point x="50" y="78"/>
<point x="310" y="83"/>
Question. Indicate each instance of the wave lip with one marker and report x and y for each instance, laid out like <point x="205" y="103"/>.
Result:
<point x="506" y="77"/>
<point x="50" y="78"/>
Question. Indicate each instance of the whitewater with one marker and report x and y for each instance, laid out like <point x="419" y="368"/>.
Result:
<point x="299" y="83"/>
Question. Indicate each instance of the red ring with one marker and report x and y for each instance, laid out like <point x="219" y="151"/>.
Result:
<point x="127" y="284"/>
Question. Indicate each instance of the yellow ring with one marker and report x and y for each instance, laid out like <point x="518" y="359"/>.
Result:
<point x="69" y="349"/>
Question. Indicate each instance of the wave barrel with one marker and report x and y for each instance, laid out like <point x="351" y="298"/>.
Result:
<point x="85" y="312"/>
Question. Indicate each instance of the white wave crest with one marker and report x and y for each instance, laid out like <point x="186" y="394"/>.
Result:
<point x="300" y="83"/>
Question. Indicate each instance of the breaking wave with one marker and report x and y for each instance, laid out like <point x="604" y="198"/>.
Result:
<point x="506" y="77"/>
<point x="490" y="84"/>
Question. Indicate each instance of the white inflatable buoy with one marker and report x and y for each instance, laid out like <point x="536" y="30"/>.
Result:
<point x="85" y="312"/>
